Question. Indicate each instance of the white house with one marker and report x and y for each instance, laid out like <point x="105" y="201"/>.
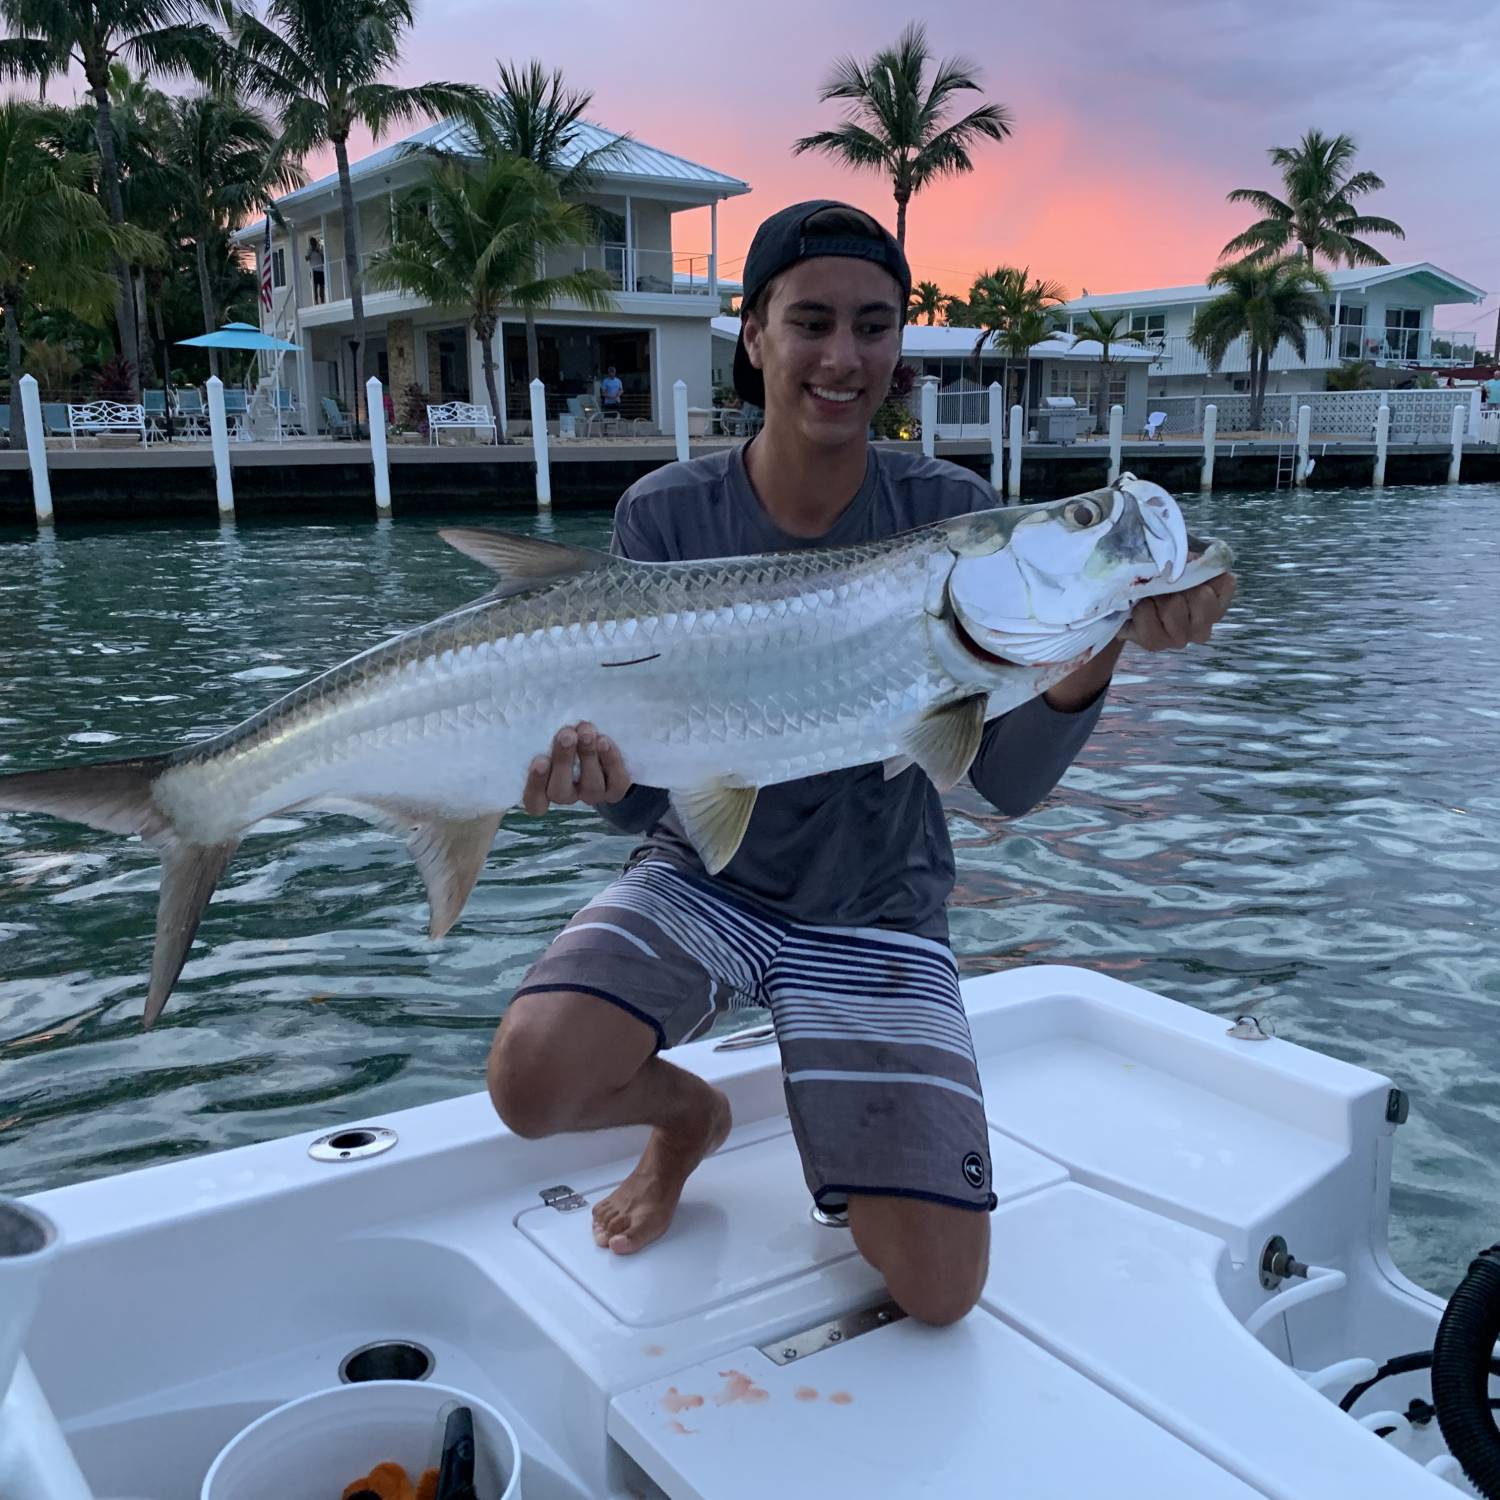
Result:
<point x="1058" y="366"/>
<point x="665" y="294"/>
<point x="1380" y="314"/>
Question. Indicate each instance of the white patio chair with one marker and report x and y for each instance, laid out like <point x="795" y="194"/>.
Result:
<point x="1154" y="424"/>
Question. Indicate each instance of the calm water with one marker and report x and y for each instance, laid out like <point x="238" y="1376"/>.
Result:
<point x="1302" y="819"/>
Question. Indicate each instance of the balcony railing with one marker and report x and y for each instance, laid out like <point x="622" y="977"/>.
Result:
<point x="1175" y="354"/>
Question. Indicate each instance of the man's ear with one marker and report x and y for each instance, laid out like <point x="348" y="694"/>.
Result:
<point x="752" y="329"/>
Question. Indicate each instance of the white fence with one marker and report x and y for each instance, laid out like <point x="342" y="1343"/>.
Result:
<point x="1416" y="416"/>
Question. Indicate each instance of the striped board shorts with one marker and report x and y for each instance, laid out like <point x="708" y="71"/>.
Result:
<point x="877" y="1060"/>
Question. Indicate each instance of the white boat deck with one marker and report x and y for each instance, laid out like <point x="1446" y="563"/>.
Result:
<point x="1142" y="1158"/>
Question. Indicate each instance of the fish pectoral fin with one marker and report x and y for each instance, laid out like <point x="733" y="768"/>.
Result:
<point x="189" y="873"/>
<point x="715" y="817"/>
<point x="946" y="741"/>
<point x="450" y="852"/>
<point x="523" y="562"/>
<point x="897" y="765"/>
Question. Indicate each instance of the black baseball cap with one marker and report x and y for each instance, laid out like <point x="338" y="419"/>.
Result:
<point x="782" y="241"/>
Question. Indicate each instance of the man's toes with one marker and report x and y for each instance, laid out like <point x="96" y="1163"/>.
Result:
<point x="623" y="1244"/>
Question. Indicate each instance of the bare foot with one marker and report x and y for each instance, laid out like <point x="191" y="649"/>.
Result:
<point x="641" y="1208"/>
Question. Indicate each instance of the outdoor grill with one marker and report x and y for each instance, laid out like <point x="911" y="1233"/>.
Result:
<point x="1057" y="422"/>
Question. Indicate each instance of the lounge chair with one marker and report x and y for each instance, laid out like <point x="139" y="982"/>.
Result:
<point x="334" y="419"/>
<point x="154" y="404"/>
<point x="5" y="420"/>
<point x="1154" y="424"/>
<point x="188" y="408"/>
<point x="608" y="421"/>
<point x="55" y="419"/>
<point x="236" y="413"/>
<point x="288" y="412"/>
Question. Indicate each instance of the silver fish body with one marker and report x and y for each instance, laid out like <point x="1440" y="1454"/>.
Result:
<point x="715" y="678"/>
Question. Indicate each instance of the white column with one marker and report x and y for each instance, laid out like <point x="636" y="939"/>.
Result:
<point x="1210" y="434"/>
<point x="375" y="405"/>
<point x="1336" y="338"/>
<point x="36" y="450"/>
<point x="929" y="415"/>
<point x="1456" y="443"/>
<point x="1304" y="441"/>
<point x="629" y="248"/>
<point x="1475" y="410"/>
<point x="1017" y="434"/>
<point x="1382" y="442"/>
<point x="1116" y="438"/>
<point x="713" y="249"/>
<point x="997" y="435"/>
<point x="539" y="443"/>
<point x="218" y="431"/>
<point x="328" y="260"/>
<point x="680" y="418"/>
<point x="499" y="374"/>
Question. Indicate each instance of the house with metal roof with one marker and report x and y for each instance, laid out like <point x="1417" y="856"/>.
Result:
<point x="1380" y="315"/>
<point x="665" y="291"/>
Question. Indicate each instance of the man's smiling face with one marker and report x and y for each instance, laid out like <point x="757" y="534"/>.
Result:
<point x="826" y="341"/>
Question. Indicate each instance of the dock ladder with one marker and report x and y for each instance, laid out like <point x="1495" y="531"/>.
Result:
<point x="1286" y="454"/>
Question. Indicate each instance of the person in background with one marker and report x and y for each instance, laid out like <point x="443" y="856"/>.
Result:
<point x="611" y="392"/>
<point x="314" y="259"/>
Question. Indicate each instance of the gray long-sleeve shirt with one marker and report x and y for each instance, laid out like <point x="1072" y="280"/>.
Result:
<point x="846" y="848"/>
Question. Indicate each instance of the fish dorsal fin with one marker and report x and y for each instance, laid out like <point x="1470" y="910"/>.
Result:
<point x="715" y="817"/>
<point x="946" y="740"/>
<point x="523" y="562"/>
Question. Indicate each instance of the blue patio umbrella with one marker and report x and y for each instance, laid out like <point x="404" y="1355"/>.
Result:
<point x="240" y="336"/>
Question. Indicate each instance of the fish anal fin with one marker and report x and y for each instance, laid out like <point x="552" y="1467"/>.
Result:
<point x="715" y="817"/>
<point x="523" y="562"/>
<point x="189" y="873"/>
<point x="946" y="740"/>
<point x="450" y="852"/>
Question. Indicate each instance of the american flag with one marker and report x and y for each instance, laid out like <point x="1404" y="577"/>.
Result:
<point x="265" y="269"/>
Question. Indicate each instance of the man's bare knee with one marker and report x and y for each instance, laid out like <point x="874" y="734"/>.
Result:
<point x="935" y="1258"/>
<point x="557" y="1051"/>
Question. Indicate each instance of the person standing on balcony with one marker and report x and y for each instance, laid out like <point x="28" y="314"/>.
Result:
<point x="611" y="392"/>
<point x="314" y="258"/>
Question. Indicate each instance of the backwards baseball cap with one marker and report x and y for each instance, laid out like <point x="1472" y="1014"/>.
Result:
<point x="788" y="237"/>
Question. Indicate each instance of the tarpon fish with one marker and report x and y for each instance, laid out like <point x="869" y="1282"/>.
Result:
<point x="714" y="678"/>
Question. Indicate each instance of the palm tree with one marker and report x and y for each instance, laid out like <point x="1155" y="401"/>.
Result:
<point x="1264" y="302"/>
<point x="56" y="240"/>
<point x="1105" y="327"/>
<point x="219" y="160"/>
<point x="321" y="64"/>
<point x="1318" y="212"/>
<point x="49" y="36"/>
<point x="894" y="122"/>
<point x="468" y="238"/>
<point x="927" y="300"/>
<point x="533" y="115"/>
<point x="1012" y="310"/>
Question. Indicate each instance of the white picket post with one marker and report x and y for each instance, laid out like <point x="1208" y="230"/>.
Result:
<point x="1382" y="442"/>
<point x="375" y="405"/>
<point x="1456" y="443"/>
<point x="1475" y="411"/>
<point x="218" y="431"/>
<point x="36" y="450"/>
<point x="1304" y="442"/>
<point x="997" y="435"/>
<point x="680" y="419"/>
<point x="1017" y="433"/>
<point x="929" y="415"/>
<point x="539" y="444"/>
<point x="1210" y="435"/>
<point x="1116" y="439"/>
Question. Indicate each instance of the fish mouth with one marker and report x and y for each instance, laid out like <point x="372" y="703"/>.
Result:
<point x="973" y="647"/>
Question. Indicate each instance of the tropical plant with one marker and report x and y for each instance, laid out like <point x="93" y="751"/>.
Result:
<point x="1011" y="308"/>
<point x="49" y="36"/>
<point x="56" y="241"/>
<point x="469" y="237"/>
<point x="1106" y="330"/>
<point x="1318" y="212"/>
<point x="533" y="115"/>
<point x="321" y="64"/>
<point x="114" y="380"/>
<point x="894" y="121"/>
<point x="1263" y="302"/>
<point x="55" y="365"/>
<point x="957" y="313"/>
<point x="1351" y="375"/>
<point x="893" y="417"/>
<point x="219" y="161"/>
<point x="927" y="300"/>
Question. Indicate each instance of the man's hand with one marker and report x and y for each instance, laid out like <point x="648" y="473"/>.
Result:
<point x="1171" y="621"/>
<point x="584" y="767"/>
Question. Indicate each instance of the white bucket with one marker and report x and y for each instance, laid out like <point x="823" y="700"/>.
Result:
<point x="314" y="1447"/>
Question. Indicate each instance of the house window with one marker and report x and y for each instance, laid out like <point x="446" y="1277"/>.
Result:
<point x="1081" y="382"/>
<point x="1403" y="332"/>
<point x="278" y="268"/>
<point x="1349" y="335"/>
<point x="1149" y="326"/>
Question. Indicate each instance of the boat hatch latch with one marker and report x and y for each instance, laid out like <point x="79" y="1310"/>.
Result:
<point x="357" y="1144"/>
<point x="839" y="1331"/>
<point x="1248" y="1029"/>
<point x="1277" y="1263"/>
<point x="1397" y="1106"/>
<point x="563" y="1198"/>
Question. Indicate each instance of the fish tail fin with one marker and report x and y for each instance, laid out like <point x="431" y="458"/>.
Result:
<point x="116" y="796"/>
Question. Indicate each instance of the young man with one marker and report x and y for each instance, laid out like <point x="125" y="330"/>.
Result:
<point x="611" y="392"/>
<point x="832" y="912"/>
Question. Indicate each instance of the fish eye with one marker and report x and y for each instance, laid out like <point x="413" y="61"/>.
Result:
<point x="1084" y="513"/>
